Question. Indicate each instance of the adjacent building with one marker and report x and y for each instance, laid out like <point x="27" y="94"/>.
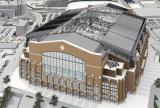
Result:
<point x="12" y="9"/>
<point x="57" y="3"/>
<point x="21" y="28"/>
<point x="97" y="53"/>
<point x="154" y="97"/>
<point x="157" y="2"/>
<point x="77" y="4"/>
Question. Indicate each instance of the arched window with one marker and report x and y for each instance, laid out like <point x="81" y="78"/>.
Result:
<point x="58" y="63"/>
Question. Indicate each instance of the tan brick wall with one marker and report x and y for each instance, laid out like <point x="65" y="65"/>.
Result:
<point x="93" y="64"/>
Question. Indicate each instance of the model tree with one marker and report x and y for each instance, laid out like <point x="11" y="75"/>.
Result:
<point x="6" y="79"/>
<point x="54" y="100"/>
<point x="39" y="99"/>
<point x="39" y="96"/>
<point x="155" y="104"/>
<point x="37" y="104"/>
<point x="3" y="100"/>
<point x="157" y="83"/>
<point x="7" y="90"/>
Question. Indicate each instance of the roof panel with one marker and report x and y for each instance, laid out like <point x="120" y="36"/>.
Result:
<point x="130" y="22"/>
<point x="125" y="32"/>
<point x="76" y="39"/>
<point x="132" y="18"/>
<point x="119" y="41"/>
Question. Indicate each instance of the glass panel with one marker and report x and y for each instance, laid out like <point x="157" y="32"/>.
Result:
<point x="58" y="63"/>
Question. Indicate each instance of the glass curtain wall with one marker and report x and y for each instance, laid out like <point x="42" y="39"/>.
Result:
<point x="62" y="64"/>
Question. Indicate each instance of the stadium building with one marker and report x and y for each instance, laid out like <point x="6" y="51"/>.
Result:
<point x="97" y="53"/>
<point x="77" y="4"/>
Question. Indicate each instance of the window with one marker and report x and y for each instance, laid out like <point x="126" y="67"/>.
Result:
<point x="62" y="82"/>
<point x="56" y="81"/>
<point x="157" y="57"/>
<point x="109" y="90"/>
<point x="69" y="85"/>
<point x="82" y="87"/>
<point x="75" y="85"/>
<point x="96" y="90"/>
<point x="24" y="68"/>
<point x="58" y="63"/>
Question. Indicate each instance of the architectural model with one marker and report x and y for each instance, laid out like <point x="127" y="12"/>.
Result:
<point x="79" y="54"/>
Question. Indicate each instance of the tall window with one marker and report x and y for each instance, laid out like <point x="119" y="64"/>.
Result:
<point x="58" y="63"/>
<point x="110" y="90"/>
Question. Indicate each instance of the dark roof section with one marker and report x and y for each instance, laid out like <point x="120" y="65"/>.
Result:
<point x="125" y="33"/>
<point x="70" y="1"/>
<point x="117" y="7"/>
<point x="59" y="20"/>
<point x="53" y="24"/>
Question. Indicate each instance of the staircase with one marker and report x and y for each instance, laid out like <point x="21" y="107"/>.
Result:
<point x="151" y="72"/>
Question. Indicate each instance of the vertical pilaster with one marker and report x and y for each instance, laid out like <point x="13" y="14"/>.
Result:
<point x="53" y="82"/>
<point x="27" y="69"/>
<point x="72" y="87"/>
<point x="30" y="72"/>
<point x="59" y="87"/>
<point x="93" y="87"/>
<point x="65" y="85"/>
<point x="47" y="81"/>
<point x="41" y="75"/>
<point x="35" y="74"/>
<point x="20" y="69"/>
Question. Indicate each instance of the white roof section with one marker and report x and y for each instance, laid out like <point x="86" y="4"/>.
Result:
<point x="76" y="39"/>
<point x="88" y="51"/>
<point x="5" y="3"/>
<point x="9" y="45"/>
<point x="119" y="66"/>
<point x="22" y="23"/>
<point x="84" y="4"/>
<point x="147" y="12"/>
